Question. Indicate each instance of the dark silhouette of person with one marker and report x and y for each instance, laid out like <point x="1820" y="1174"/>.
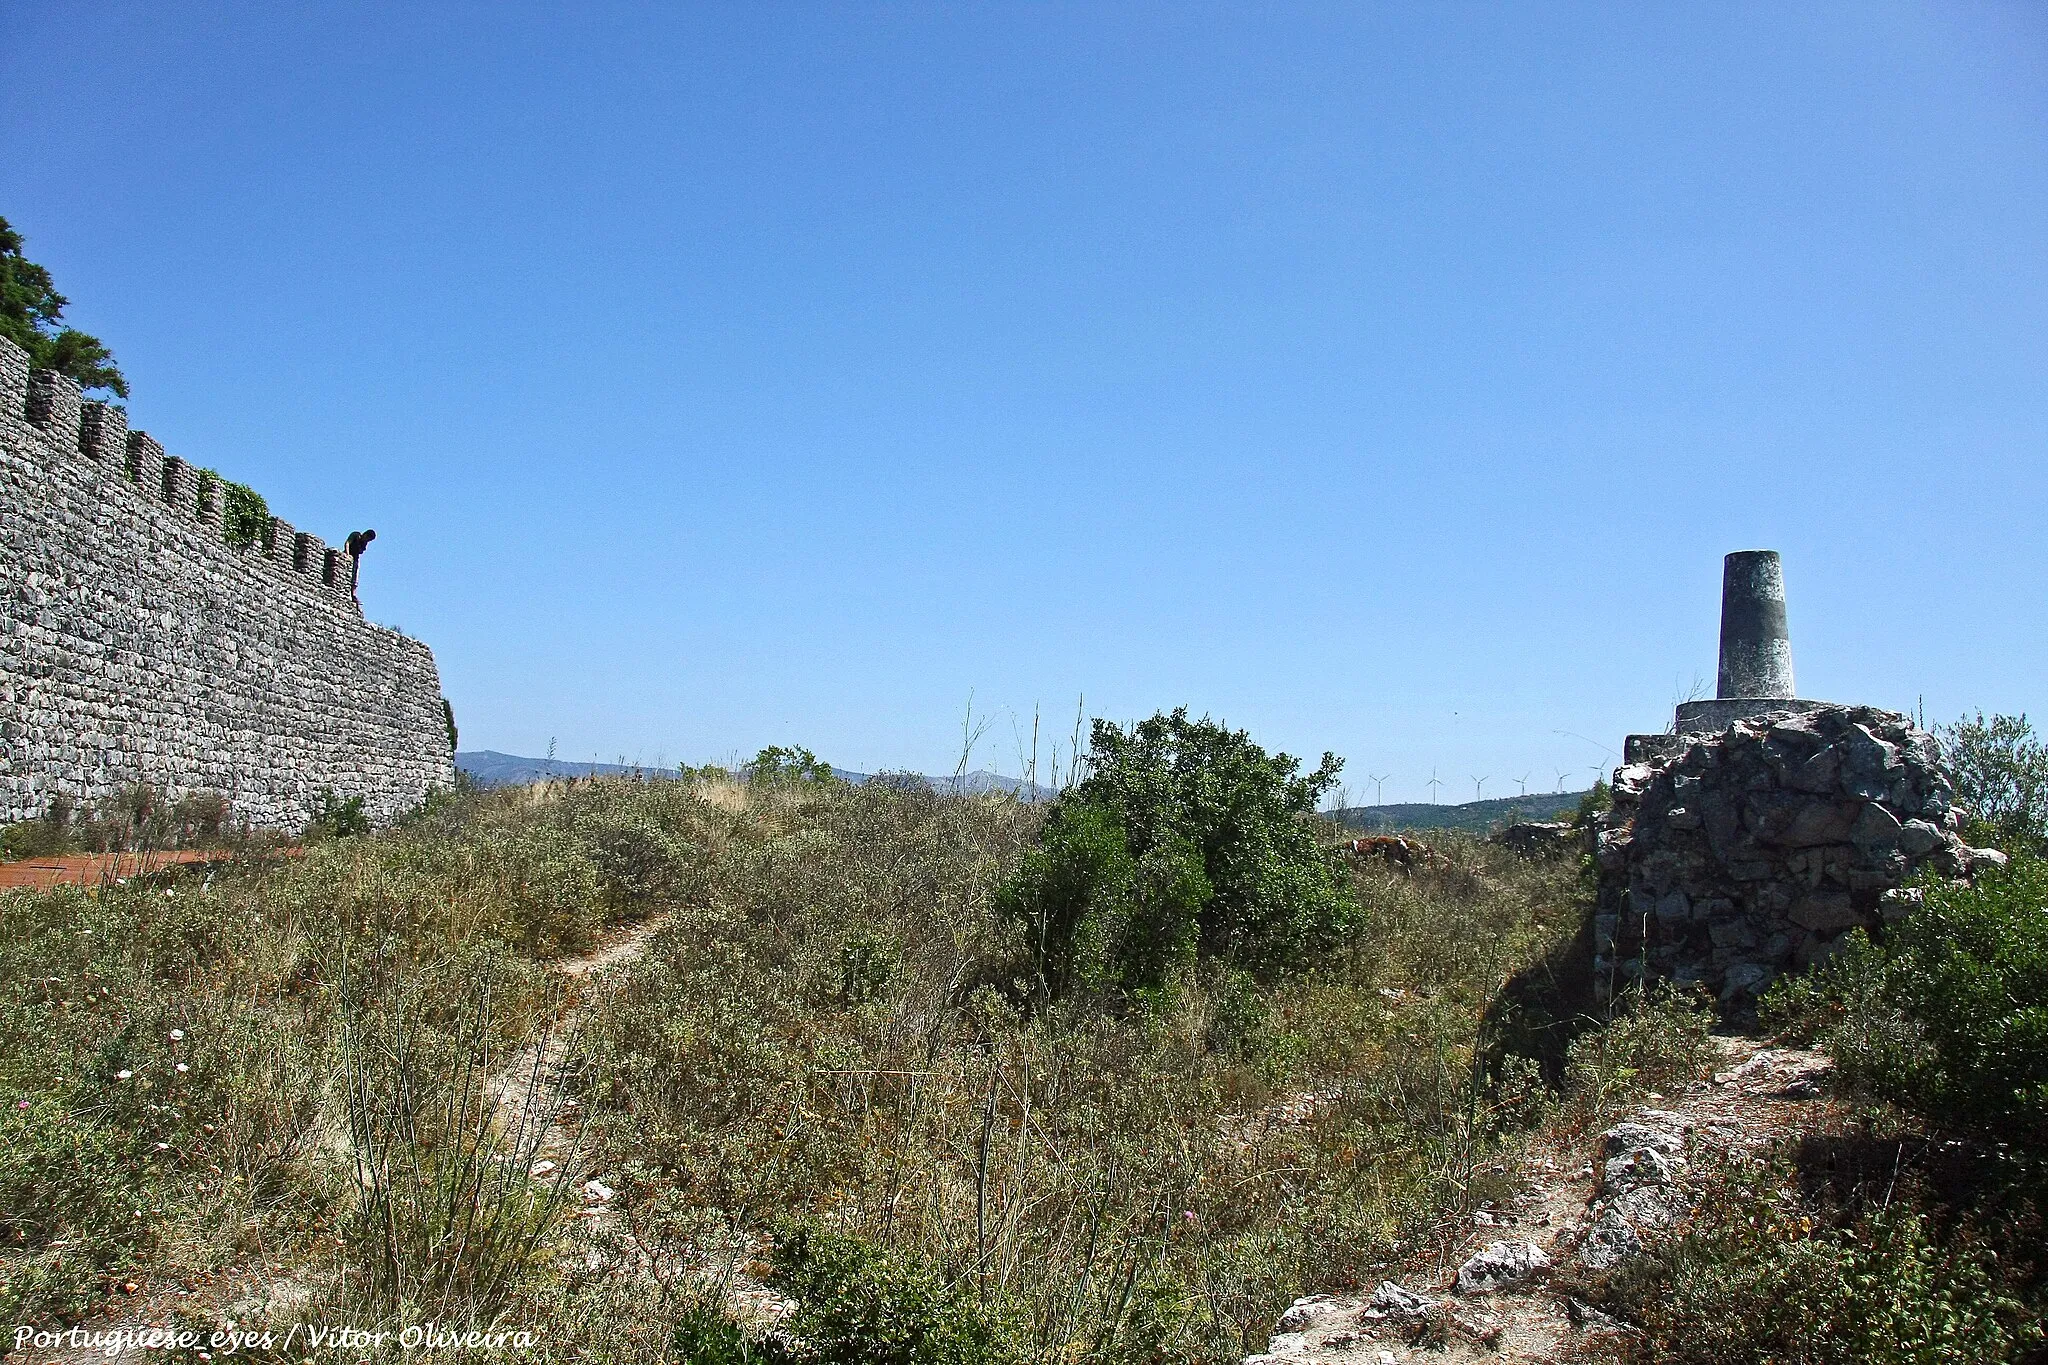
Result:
<point x="358" y="541"/>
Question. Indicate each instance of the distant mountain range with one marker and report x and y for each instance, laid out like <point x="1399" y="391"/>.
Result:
<point x="1476" y="816"/>
<point x="489" y="768"/>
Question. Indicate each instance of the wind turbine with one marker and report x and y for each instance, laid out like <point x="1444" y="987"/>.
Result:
<point x="1523" y="783"/>
<point x="1562" y="774"/>
<point x="1432" y="784"/>
<point x="1478" y="788"/>
<point x="1379" y="796"/>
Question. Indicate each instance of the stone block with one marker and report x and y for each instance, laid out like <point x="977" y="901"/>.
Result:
<point x="54" y="402"/>
<point x="1918" y="838"/>
<point x="1874" y="827"/>
<point x="1825" y="911"/>
<point x="14" y="371"/>
<point x="103" y="434"/>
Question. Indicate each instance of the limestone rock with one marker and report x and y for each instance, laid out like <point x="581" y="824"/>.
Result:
<point x="1499" y="1265"/>
<point x="1609" y="1242"/>
<point x="1624" y="1138"/>
<point x="1643" y="1166"/>
<point x="1305" y="1313"/>
<point x="1392" y="1301"/>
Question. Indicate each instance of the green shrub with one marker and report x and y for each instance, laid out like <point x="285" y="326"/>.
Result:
<point x="1949" y="1014"/>
<point x="1594" y="802"/>
<point x="334" y="818"/>
<point x="635" y="836"/>
<point x="1754" y="1280"/>
<point x="705" y="1336"/>
<point x="1659" y="1041"/>
<point x="793" y="763"/>
<point x="245" y="517"/>
<point x="1970" y="967"/>
<point x="67" y="1206"/>
<point x="46" y="836"/>
<point x="859" y="1304"/>
<point x="1187" y="842"/>
<point x="2001" y="775"/>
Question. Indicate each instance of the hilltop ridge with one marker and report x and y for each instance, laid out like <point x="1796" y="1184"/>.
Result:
<point x="1477" y="816"/>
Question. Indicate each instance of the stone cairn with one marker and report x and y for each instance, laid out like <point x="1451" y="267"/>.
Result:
<point x="1746" y="843"/>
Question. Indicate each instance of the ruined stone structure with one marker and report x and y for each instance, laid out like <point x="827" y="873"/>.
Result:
<point x="138" y="645"/>
<point x="1745" y="843"/>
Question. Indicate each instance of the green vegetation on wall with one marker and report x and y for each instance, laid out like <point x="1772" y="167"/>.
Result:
<point x="245" y="517"/>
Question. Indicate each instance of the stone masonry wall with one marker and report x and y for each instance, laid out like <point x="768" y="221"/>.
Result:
<point x="1731" y="858"/>
<point x="137" y="645"/>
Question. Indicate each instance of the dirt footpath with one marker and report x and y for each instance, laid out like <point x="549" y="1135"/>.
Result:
<point x="1585" y="1208"/>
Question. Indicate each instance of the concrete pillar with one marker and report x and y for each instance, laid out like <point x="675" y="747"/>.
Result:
<point x="1756" y="648"/>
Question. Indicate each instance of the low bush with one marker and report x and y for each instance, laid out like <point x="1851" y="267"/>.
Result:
<point x="1759" y="1279"/>
<point x="47" y="836"/>
<point x="336" y="818"/>
<point x="861" y="1304"/>
<point x="788" y="763"/>
<point x="1659" y="1041"/>
<point x="137" y="818"/>
<point x="1186" y="843"/>
<point x="1948" y="1015"/>
<point x="2001" y="773"/>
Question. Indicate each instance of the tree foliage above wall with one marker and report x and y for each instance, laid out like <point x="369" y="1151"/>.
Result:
<point x="31" y="316"/>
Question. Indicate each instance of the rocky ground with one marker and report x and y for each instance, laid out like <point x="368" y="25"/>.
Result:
<point x="1578" y="1212"/>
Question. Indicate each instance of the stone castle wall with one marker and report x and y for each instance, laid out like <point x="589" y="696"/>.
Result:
<point x="1731" y="858"/>
<point x="136" y="644"/>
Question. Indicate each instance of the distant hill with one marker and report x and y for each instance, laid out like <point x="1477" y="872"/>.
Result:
<point x="1476" y="816"/>
<point x="489" y="768"/>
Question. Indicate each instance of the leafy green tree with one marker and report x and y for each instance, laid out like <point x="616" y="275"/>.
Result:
<point x="1186" y="843"/>
<point x="31" y="316"/>
<point x="792" y="763"/>
<point x="2001" y="773"/>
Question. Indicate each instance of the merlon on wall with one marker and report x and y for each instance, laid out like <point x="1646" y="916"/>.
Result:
<point x="137" y="644"/>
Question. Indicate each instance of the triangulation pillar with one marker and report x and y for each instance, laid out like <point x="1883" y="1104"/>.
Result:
<point x="1756" y="649"/>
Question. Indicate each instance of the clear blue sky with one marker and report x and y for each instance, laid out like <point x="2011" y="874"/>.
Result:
<point x="1386" y="379"/>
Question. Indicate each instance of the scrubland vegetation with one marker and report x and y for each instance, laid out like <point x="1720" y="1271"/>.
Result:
<point x="966" y="1079"/>
<point x="1912" y="1229"/>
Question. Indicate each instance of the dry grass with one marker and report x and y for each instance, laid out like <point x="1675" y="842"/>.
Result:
<point x="828" y="1030"/>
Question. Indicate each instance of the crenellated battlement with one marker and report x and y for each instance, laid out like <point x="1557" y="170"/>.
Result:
<point x="98" y="434"/>
<point x="154" y="628"/>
